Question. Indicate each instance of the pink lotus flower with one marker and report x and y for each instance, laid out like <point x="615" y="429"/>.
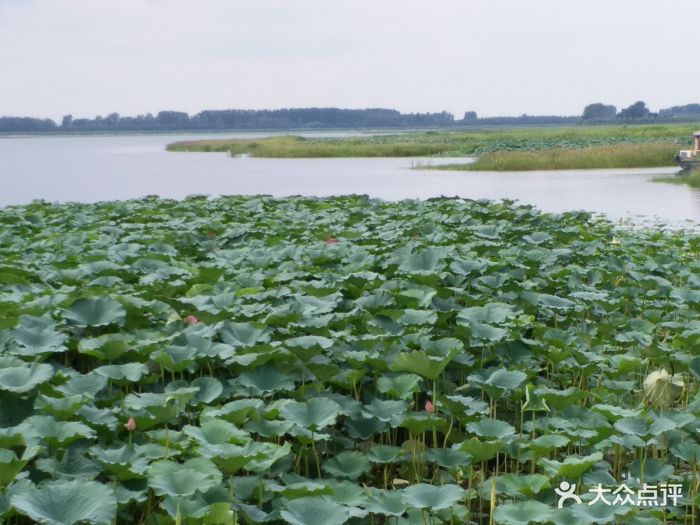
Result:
<point x="130" y="425"/>
<point x="332" y="240"/>
<point x="429" y="407"/>
<point x="191" y="319"/>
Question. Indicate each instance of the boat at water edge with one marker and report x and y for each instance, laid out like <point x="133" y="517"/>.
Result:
<point x="690" y="158"/>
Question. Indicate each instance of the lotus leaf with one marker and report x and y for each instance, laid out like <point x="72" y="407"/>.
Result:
<point x="67" y="503"/>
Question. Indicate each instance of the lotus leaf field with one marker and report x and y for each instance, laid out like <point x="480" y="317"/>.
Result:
<point x="342" y="360"/>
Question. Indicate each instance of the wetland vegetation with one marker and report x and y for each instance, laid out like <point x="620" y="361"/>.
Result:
<point x="322" y="361"/>
<point x="629" y="146"/>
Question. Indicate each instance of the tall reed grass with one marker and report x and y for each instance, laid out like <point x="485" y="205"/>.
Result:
<point x="595" y="157"/>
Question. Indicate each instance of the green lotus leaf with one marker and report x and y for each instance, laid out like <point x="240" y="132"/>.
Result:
<point x="268" y="428"/>
<point x="124" y="462"/>
<point x="421" y="363"/>
<point x="347" y="465"/>
<point x="480" y="450"/>
<point x="21" y="379"/>
<point x="304" y="489"/>
<point x="533" y="402"/>
<point x="651" y="471"/>
<point x="166" y="477"/>
<point x="37" y="335"/>
<point x="158" y="404"/>
<point x="417" y="317"/>
<point x="209" y="390"/>
<point x="103" y="417"/>
<point x="548" y="301"/>
<point x="468" y="405"/>
<point x="63" y="407"/>
<point x="385" y="502"/>
<point x="503" y="381"/>
<point x="400" y="387"/>
<point x="573" y="467"/>
<point x="74" y="465"/>
<point x="687" y="451"/>
<point x="108" y="347"/>
<point x="348" y="493"/>
<point x="364" y="428"/>
<point x="128" y="372"/>
<point x="175" y="358"/>
<point x="11" y="465"/>
<point x="518" y="485"/>
<point x="265" y="380"/>
<point x="492" y="313"/>
<point x="448" y="458"/>
<point x="55" y="432"/>
<point x="613" y="413"/>
<point x="467" y="267"/>
<point x="694" y="367"/>
<point x="67" y="503"/>
<point x="267" y="455"/>
<point x="426" y="261"/>
<point x="88" y="385"/>
<point x="215" y="432"/>
<point x="314" y="511"/>
<point x="633" y="425"/>
<point x="11" y="437"/>
<point x="491" y="428"/>
<point x="308" y="346"/>
<point x="419" y="422"/>
<point x="385" y="454"/>
<point x="237" y="412"/>
<point x="523" y="513"/>
<point x="600" y="514"/>
<point x="624" y="364"/>
<point x="244" y="335"/>
<point x="253" y="456"/>
<point x="185" y="508"/>
<point x="434" y="497"/>
<point x="560" y="399"/>
<point x="545" y="444"/>
<point x="314" y="414"/>
<point x="95" y="311"/>
<point x="384" y="410"/>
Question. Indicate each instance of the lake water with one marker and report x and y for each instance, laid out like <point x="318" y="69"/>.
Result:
<point x="98" y="168"/>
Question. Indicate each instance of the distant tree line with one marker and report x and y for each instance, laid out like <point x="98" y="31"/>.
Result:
<point x="332" y="118"/>
<point x="235" y="119"/>
<point x="639" y="112"/>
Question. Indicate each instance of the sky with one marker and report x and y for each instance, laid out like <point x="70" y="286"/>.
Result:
<point x="495" y="57"/>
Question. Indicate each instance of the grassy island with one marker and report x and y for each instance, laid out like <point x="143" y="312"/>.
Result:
<point x="497" y="149"/>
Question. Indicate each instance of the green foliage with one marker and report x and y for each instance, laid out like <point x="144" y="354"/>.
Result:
<point x="473" y="143"/>
<point x="619" y="155"/>
<point x="441" y="359"/>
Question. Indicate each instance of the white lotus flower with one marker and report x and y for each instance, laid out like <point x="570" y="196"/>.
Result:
<point x="662" y="388"/>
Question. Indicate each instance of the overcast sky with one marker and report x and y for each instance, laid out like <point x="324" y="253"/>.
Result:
<point x="496" y="57"/>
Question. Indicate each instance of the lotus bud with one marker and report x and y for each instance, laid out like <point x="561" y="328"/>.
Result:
<point x="130" y="425"/>
<point x="191" y="319"/>
<point x="332" y="240"/>
<point x="661" y="388"/>
<point x="429" y="407"/>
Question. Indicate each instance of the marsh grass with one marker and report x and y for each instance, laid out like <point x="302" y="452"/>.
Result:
<point x="299" y="147"/>
<point x="595" y="157"/>
<point x="448" y="143"/>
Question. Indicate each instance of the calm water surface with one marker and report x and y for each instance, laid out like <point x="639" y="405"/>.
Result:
<point x="98" y="168"/>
